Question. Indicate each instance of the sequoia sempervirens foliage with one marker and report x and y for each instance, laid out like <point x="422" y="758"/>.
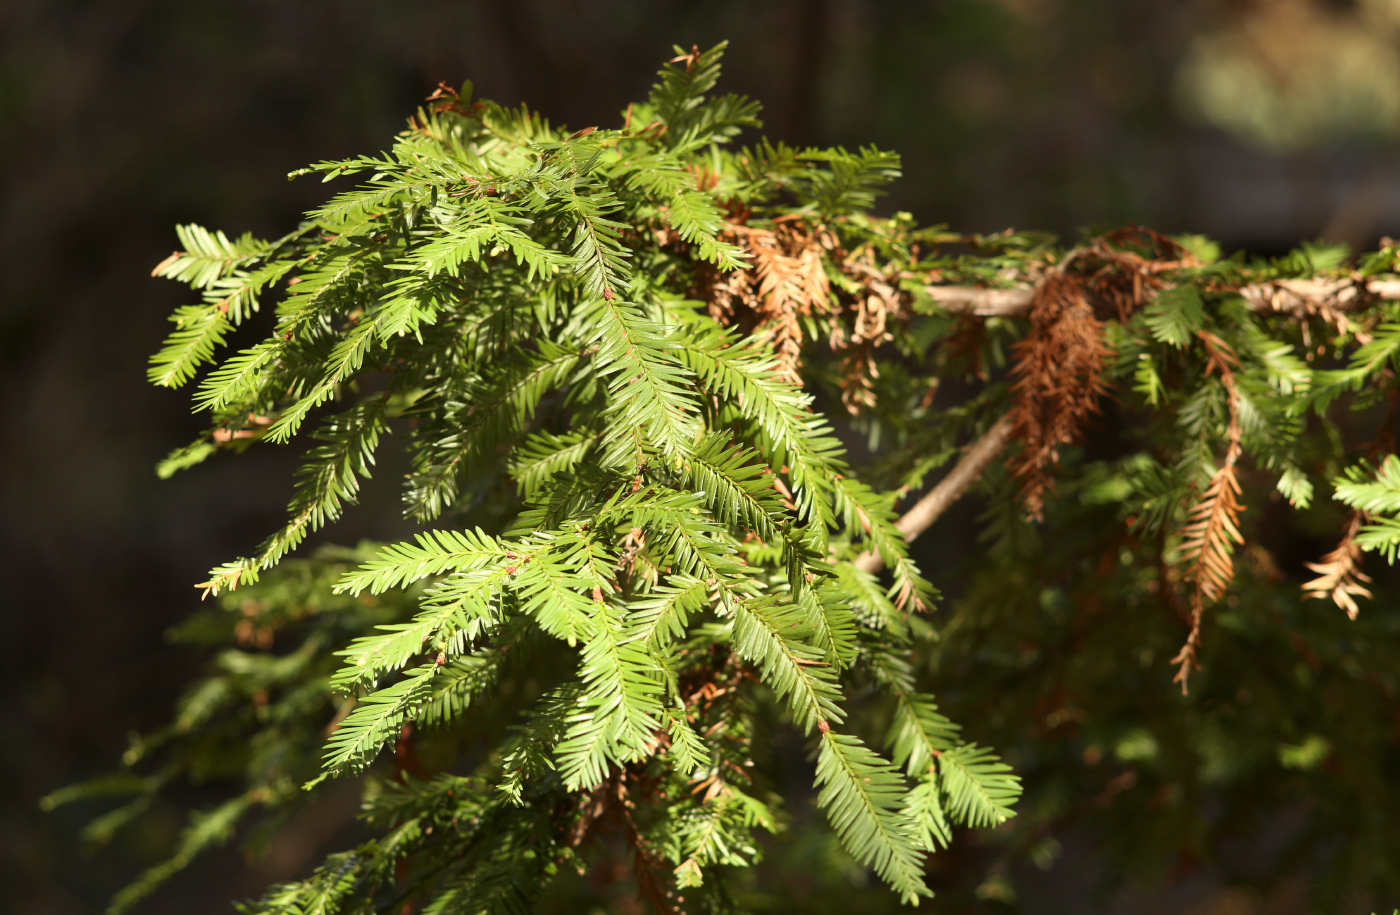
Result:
<point x="609" y="354"/>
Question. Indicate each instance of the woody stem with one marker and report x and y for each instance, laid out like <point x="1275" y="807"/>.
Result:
<point x="951" y="488"/>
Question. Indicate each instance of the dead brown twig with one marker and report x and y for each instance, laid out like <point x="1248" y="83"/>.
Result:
<point x="1339" y="574"/>
<point x="1214" y="522"/>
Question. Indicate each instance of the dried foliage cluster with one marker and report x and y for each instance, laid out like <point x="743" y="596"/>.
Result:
<point x="783" y="295"/>
<point x="1059" y="372"/>
<point x="1339" y="575"/>
<point x="648" y="571"/>
<point x="783" y="281"/>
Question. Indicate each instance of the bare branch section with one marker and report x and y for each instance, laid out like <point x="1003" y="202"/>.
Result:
<point x="951" y="488"/>
<point x="1289" y="296"/>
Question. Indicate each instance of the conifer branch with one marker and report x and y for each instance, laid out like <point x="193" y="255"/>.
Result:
<point x="606" y="347"/>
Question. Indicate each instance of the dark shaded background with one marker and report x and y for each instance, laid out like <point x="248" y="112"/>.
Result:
<point x="119" y="119"/>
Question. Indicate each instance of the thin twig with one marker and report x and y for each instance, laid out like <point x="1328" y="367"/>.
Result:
<point x="951" y="488"/>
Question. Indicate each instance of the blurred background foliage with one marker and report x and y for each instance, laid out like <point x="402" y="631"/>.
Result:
<point x="1258" y="122"/>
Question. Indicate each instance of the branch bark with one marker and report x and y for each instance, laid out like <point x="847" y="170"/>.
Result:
<point x="1288" y="296"/>
<point x="951" y="488"/>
